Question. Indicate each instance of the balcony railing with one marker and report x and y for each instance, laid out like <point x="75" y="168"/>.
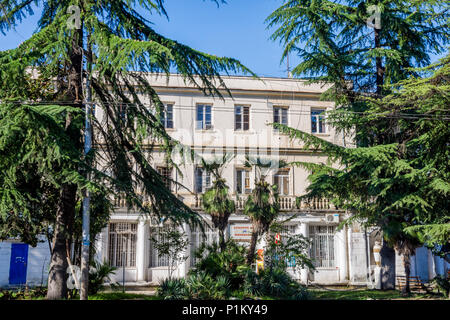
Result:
<point x="287" y="203"/>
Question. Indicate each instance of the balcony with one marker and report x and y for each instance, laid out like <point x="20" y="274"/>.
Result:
<point x="287" y="203"/>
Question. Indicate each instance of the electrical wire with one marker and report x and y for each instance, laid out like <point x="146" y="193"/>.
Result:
<point x="445" y="117"/>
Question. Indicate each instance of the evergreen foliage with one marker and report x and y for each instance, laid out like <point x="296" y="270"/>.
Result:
<point x="397" y="177"/>
<point x="43" y="172"/>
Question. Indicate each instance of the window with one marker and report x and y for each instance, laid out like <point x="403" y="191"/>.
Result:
<point x="281" y="179"/>
<point x="280" y="115"/>
<point x="157" y="260"/>
<point x="202" y="180"/>
<point x="122" y="244"/>
<point x="197" y="239"/>
<point x="322" y="247"/>
<point x="317" y="121"/>
<point x="203" y="117"/>
<point x="241" y="117"/>
<point x="243" y="181"/>
<point x="166" y="174"/>
<point x="167" y="116"/>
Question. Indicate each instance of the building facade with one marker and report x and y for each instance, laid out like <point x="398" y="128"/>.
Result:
<point x="237" y="125"/>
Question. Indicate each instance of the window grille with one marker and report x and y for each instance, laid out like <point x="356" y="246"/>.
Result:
<point x="122" y="244"/>
<point x="322" y="247"/>
<point x="157" y="260"/>
<point x="166" y="174"/>
<point x="212" y="236"/>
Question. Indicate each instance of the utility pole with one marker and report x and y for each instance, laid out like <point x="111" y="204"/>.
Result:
<point x="87" y="197"/>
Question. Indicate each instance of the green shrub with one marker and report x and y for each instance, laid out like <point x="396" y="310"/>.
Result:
<point x="218" y="273"/>
<point x="443" y="284"/>
<point x="99" y="273"/>
<point x="275" y="283"/>
<point x="173" y="289"/>
<point x="229" y="263"/>
<point x="196" y="286"/>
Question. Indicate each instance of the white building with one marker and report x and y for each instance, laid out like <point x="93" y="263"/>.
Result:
<point x="238" y="125"/>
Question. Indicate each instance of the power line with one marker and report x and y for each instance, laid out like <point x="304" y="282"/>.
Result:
<point x="255" y="110"/>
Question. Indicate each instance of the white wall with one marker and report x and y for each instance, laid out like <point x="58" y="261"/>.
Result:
<point x="37" y="263"/>
<point x="5" y="256"/>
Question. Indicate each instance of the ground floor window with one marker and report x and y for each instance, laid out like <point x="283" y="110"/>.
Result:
<point x="122" y="244"/>
<point x="212" y="235"/>
<point x="322" y="246"/>
<point x="157" y="260"/>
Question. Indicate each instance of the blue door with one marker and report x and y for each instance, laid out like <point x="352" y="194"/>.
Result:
<point x="18" y="264"/>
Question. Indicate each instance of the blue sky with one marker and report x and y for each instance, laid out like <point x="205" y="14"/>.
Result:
<point x="235" y="29"/>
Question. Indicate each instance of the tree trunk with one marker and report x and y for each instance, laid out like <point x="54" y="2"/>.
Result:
<point x="57" y="276"/>
<point x="221" y="240"/>
<point x="406" y="259"/>
<point x="251" y="250"/>
<point x="65" y="212"/>
<point x="387" y="267"/>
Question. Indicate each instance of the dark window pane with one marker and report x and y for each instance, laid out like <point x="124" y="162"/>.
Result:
<point x="237" y="118"/>
<point x="239" y="181"/>
<point x="313" y="124"/>
<point x="276" y="115"/>
<point x="200" y="117"/>
<point x="207" y="117"/>
<point x="284" y="116"/>
<point x="246" y="118"/>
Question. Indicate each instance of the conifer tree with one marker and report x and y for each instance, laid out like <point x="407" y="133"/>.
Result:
<point x="402" y="187"/>
<point x="365" y="48"/>
<point x="43" y="172"/>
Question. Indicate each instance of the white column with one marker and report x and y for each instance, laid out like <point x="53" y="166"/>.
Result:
<point x="350" y="255"/>
<point x="142" y="250"/>
<point x="341" y="239"/>
<point x="304" y="272"/>
<point x="183" y="267"/>
<point x="101" y="246"/>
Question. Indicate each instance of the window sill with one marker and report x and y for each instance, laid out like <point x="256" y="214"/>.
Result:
<point x="321" y="134"/>
<point x="205" y="130"/>
<point x="244" y="131"/>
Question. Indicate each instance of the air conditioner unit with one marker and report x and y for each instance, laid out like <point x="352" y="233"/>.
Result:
<point x="332" y="218"/>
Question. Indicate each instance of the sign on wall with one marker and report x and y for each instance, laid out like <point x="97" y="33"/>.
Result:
<point x="241" y="232"/>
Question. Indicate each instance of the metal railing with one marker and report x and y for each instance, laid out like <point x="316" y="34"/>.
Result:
<point x="287" y="203"/>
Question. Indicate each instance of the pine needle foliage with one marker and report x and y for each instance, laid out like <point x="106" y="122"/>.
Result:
<point x="43" y="172"/>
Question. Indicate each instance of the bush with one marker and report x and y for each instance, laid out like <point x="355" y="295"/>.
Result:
<point x="99" y="273"/>
<point x="173" y="289"/>
<point x="196" y="286"/>
<point x="217" y="274"/>
<point x="275" y="283"/>
<point x="34" y="293"/>
<point x="443" y="284"/>
<point x="229" y="263"/>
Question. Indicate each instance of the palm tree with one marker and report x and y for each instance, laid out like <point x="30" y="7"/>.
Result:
<point x="262" y="205"/>
<point x="216" y="201"/>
